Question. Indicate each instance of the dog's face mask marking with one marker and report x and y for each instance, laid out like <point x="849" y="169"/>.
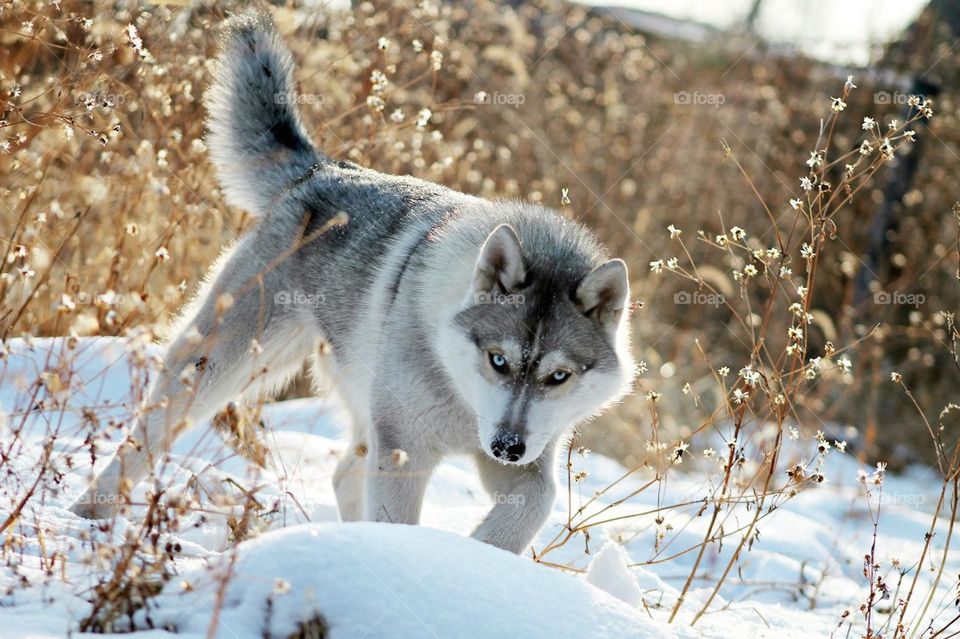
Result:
<point x="537" y="353"/>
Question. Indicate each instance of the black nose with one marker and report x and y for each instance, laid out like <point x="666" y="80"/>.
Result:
<point x="508" y="447"/>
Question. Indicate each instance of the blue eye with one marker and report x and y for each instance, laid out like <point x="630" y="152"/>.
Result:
<point x="499" y="362"/>
<point x="558" y="377"/>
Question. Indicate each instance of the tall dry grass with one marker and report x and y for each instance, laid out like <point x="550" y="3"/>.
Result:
<point x="110" y="215"/>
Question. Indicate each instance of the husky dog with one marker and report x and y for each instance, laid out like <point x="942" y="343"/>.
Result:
<point x="454" y="324"/>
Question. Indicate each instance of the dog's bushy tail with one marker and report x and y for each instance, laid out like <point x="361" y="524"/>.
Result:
<point x="256" y="138"/>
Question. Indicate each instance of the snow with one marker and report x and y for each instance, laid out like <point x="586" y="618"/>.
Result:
<point x="800" y="574"/>
<point x="372" y="580"/>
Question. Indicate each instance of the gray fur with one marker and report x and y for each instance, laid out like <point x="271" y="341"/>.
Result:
<point x="412" y="305"/>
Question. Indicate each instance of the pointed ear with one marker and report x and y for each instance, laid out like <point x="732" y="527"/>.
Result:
<point x="603" y="293"/>
<point x="500" y="263"/>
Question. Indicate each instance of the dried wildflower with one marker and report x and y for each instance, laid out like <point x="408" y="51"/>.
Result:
<point x="383" y="44"/>
<point x="815" y="159"/>
<point x="66" y="304"/>
<point x="785" y="272"/>
<point x="844" y="363"/>
<point x="750" y="376"/>
<point x="724" y="371"/>
<point x="837" y="104"/>
<point x="162" y="254"/>
<point x="806" y="183"/>
<point x="674" y="232"/>
<point x="797" y="472"/>
<point x="722" y="240"/>
<point x="879" y="473"/>
<point x="796" y="204"/>
<point x="806" y="251"/>
<point x="376" y="103"/>
<point x="580" y="476"/>
<point x="134" y="40"/>
<point x="417" y="46"/>
<point x="423" y="117"/>
<point x="750" y="270"/>
<point x="436" y="59"/>
<point x="866" y="148"/>
<point x="795" y="333"/>
<point x="656" y="266"/>
<point x="564" y="197"/>
<point x="738" y="233"/>
<point x="378" y="81"/>
<point x="895" y="377"/>
<point x="397" y="116"/>
<point x="868" y="124"/>
<point x="679" y="451"/>
<point x="740" y="396"/>
<point x="886" y="149"/>
<point x="653" y="396"/>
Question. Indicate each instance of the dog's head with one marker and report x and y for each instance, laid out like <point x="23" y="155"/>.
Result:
<point x="541" y="344"/>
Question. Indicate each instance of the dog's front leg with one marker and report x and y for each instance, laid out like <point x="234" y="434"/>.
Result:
<point x="397" y="477"/>
<point x="523" y="498"/>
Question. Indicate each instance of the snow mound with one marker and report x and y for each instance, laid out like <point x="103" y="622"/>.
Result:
<point x="383" y="580"/>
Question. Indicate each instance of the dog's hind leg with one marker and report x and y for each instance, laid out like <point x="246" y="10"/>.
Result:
<point x="244" y="338"/>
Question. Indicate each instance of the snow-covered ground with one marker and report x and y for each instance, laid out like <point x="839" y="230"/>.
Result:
<point x="802" y="571"/>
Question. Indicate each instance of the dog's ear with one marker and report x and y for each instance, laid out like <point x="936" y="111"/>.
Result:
<point x="603" y="293"/>
<point x="500" y="265"/>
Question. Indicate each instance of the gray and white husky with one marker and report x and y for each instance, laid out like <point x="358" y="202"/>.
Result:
<point x="454" y="324"/>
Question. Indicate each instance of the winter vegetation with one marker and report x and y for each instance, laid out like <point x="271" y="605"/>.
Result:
<point x="786" y="465"/>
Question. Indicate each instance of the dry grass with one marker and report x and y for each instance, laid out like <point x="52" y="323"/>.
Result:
<point x="110" y="213"/>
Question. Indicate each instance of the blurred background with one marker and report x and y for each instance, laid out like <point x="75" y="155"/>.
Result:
<point x="629" y="118"/>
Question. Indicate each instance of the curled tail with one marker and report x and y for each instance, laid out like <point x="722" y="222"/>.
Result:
<point x="256" y="138"/>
